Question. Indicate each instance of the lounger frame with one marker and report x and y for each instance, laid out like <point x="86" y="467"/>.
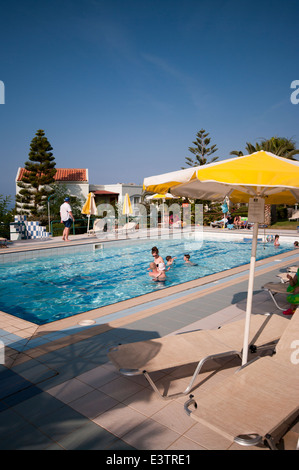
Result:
<point x="211" y="347"/>
<point x="274" y="289"/>
<point x="134" y="372"/>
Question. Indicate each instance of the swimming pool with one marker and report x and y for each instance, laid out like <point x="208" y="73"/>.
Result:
<point x="49" y="289"/>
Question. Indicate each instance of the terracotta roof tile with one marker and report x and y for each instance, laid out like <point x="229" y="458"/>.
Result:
<point x="64" y="174"/>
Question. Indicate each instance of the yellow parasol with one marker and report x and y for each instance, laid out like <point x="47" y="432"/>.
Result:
<point x="259" y="178"/>
<point x="89" y="208"/>
<point x="127" y="206"/>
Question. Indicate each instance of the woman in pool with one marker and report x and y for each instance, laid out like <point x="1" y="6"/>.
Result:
<point x="157" y="258"/>
<point x="159" y="262"/>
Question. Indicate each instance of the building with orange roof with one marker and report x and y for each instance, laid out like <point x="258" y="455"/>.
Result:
<point x="77" y="183"/>
<point x="75" y="180"/>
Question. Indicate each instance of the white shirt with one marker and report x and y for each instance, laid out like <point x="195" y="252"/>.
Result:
<point x="161" y="267"/>
<point x="65" y="208"/>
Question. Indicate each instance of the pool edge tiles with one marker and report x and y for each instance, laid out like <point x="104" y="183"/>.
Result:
<point x="20" y="253"/>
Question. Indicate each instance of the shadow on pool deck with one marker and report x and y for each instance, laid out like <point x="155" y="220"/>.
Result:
<point x="62" y="393"/>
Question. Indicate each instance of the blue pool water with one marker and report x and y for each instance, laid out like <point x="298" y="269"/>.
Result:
<point x="49" y="289"/>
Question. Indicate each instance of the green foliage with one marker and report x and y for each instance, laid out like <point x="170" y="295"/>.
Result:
<point x="280" y="146"/>
<point x="281" y="213"/>
<point x="39" y="174"/>
<point x="6" y="215"/>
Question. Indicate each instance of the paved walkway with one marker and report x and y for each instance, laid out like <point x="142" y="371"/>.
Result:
<point x="59" y="390"/>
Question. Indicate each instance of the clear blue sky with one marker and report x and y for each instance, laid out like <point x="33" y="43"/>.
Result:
<point x="121" y="87"/>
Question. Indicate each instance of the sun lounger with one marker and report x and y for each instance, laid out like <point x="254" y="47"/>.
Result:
<point x="260" y="402"/>
<point x="275" y="288"/>
<point x="219" y="223"/>
<point x="196" y="347"/>
<point x="283" y="277"/>
<point x="128" y="227"/>
<point x="98" y="227"/>
<point x="292" y="269"/>
<point x="295" y="215"/>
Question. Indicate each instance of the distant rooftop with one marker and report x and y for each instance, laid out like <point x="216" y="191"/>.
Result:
<point x="105" y="192"/>
<point x="64" y="174"/>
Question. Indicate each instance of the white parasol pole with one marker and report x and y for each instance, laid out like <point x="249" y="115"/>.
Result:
<point x="250" y="293"/>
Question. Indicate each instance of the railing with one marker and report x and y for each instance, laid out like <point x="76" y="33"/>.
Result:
<point x="57" y="231"/>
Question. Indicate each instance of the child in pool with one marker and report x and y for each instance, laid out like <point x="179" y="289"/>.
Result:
<point x="276" y="240"/>
<point x="170" y="260"/>
<point x="188" y="262"/>
<point x="157" y="273"/>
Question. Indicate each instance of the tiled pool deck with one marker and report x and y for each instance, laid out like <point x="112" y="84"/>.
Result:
<point x="59" y="390"/>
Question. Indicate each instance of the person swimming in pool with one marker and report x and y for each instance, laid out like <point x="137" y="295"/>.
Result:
<point x="170" y="262"/>
<point x="187" y="261"/>
<point x="157" y="258"/>
<point x="158" y="274"/>
<point x="276" y="240"/>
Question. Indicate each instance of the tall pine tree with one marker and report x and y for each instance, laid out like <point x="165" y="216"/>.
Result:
<point x="38" y="175"/>
<point x="201" y="150"/>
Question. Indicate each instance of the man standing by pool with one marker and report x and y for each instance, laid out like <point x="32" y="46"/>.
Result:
<point x="66" y="218"/>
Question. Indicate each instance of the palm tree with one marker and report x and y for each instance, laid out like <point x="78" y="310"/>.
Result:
<point x="280" y="146"/>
